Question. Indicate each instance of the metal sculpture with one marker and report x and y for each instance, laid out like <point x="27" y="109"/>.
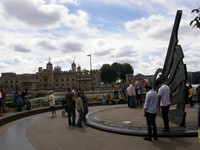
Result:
<point x="174" y="74"/>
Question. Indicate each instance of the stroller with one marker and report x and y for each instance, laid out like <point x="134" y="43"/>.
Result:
<point x="64" y="107"/>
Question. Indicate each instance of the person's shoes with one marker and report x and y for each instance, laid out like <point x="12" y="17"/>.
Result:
<point x="165" y="130"/>
<point x="156" y="139"/>
<point x="147" y="139"/>
<point x="73" y="124"/>
<point x="80" y="126"/>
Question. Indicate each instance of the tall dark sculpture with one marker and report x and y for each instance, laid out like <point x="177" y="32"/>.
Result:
<point x="174" y="74"/>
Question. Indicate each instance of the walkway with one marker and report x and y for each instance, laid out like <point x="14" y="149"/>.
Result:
<point x="43" y="132"/>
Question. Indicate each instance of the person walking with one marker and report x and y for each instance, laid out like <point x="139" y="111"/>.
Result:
<point x="164" y="103"/>
<point x="150" y="112"/>
<point x="52" y="103"/>
<point x="70" y="103"/>
<point x="80" y="109"/>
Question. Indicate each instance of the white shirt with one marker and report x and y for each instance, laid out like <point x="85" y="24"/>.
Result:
<point x="131" y="90"/>
<point x="164" y="92"/>
<point x="151" y="102"/>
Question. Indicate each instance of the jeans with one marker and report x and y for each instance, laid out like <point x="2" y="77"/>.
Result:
<point x="71" y="113"/>
<point x="132" y="102"/>
<point x="80" y="120"/>
<point x="26" y="102"/>
<point x="165" y="111"/>
<point x="151" y="122"/>
<point x="18" y="104"/>
<point x="85" y="107"/>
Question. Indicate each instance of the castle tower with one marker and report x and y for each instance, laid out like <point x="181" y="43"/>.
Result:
<point x="73" y="67"/>
<point x="49" y="66"/>
<point x="79" y="68"/>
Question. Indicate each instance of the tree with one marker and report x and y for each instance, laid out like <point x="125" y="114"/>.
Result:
<point x="106" y="73"/>
<point x="126" y="69"/>
<point x="196" y="20"/>
<point x="110" y="73"/>
<point x="117" y="69"/>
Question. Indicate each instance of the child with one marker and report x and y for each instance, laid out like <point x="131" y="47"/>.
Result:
<point x="103" y="100"/>
<point x="51" y="100"/>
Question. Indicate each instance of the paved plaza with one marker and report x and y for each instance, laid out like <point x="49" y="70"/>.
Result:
<point x="43" y="132"/>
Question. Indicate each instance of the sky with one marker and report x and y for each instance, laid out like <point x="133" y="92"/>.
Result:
<point x="32" y="32"/>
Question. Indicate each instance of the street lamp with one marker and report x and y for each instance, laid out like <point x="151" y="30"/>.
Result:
<point x="91" y="70"/>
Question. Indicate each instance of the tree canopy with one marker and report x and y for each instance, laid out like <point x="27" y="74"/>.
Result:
<point x="110" y="73"/>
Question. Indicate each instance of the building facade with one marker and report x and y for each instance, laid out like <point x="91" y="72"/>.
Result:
<point x="53" y="78"/>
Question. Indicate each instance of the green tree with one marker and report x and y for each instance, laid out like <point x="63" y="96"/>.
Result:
<point x="110" y="73"/>
<point x="106" y="73"/>
<point x="117" y="69"/>
<point x="126" y="69"/>
<point x="196" y="20"/>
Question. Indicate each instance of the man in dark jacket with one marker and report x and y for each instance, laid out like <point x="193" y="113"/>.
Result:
<point x="70" y="103"/>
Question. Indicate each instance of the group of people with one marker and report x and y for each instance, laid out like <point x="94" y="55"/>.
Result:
<point x="75" y="100"/>
<point x="132" y="94"/>
<point x="21" y="99"/>
<point x="154" y="102"/>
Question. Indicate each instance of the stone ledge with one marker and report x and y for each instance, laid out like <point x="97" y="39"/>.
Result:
<point x="18" y="115"/>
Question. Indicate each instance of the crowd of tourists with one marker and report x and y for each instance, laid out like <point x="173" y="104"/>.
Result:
<point x="122" y="94"/>
<point x="75" y="100"/>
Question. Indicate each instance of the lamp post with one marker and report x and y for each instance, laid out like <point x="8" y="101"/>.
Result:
<point x="91" y="70"/>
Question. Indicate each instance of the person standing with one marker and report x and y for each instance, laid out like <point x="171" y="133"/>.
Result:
<point x="190" y="95"/>
<point x="150" y="112"/>
<point x="164" y="103"/>
<point x="138" y="91"/>
<point x="85" y="104"/>
<point x="131" y="94"/>
<point x="70" y="103"/>
<point x="80" y="109"/>
<point x="52" y="103"/>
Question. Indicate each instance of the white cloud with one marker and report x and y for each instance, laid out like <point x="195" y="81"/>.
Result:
<point x="33" y="31"/>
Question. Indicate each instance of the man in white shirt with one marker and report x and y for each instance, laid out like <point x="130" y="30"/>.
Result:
<point x="150" y="112"/>
<point x="131" y="94"/>
<point x="164" y="103"/>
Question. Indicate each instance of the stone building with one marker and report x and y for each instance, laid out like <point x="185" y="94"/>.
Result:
<point x="52" y="78"/>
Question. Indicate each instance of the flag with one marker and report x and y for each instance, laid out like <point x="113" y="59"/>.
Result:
<point x="89" y="55"/>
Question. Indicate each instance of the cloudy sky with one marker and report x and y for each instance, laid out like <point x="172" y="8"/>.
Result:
<point x="123" y="31"/>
